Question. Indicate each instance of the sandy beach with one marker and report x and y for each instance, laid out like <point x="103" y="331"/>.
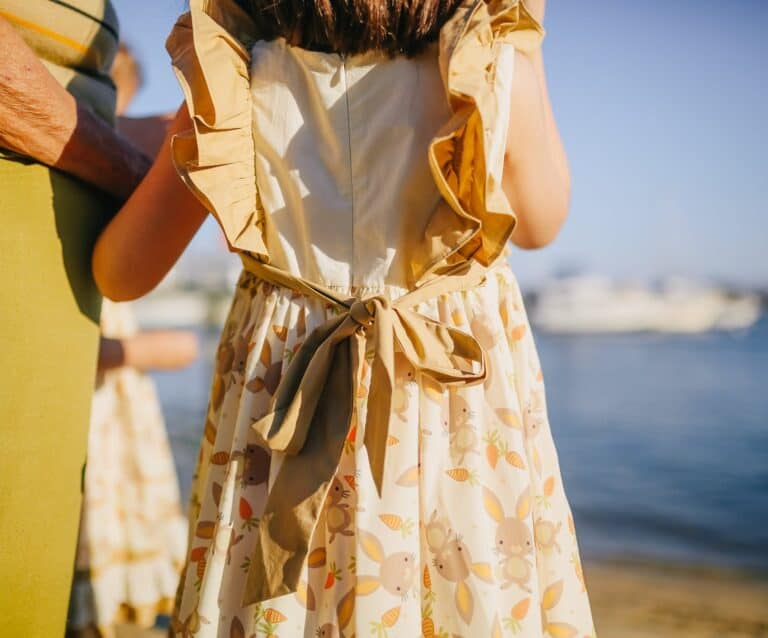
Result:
<point x="641" y="600"/>
<point x="636" y="600"/>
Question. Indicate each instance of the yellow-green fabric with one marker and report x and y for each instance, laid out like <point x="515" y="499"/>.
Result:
<point x="49" y="333"/>
<point x="48" y="325"/>
<point x="76" y="40"/>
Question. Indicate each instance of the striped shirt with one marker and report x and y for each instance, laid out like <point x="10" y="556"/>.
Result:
<point x="76" y="40"/>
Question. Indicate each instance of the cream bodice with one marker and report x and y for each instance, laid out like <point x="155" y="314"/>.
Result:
<point x="352" y="171"/>
<point x="341" y="159"/>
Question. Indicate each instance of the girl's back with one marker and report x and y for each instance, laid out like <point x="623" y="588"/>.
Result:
<point x="376" y="454"/>
<point x="344" y="140"/>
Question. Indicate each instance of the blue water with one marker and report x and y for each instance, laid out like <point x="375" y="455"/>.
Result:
<point x="663" y="440"/>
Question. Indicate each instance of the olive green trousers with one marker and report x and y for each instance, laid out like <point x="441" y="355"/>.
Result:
<point x="49" y="310"/>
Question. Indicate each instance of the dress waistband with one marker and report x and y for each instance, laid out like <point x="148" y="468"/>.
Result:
<point x="313" y="405"/>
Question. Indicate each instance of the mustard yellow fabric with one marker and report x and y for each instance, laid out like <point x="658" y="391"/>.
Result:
<point x="377" y="424"/>
<point x="209" y="47"/>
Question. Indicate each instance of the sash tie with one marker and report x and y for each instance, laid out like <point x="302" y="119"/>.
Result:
<point x="313" y="404"/>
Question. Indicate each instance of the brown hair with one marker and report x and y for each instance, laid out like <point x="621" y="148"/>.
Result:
<point x="352" y="26"/>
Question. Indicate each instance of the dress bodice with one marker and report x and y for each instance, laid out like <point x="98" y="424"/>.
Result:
<point x="341" y="159"/>
<point x="352" y="171"/>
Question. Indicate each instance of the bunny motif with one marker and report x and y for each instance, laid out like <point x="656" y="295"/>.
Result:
<point x="454" y="563"/>
<point x="514" y="541"/>
<point x="232" y="356"/>
<point x="404" y="376"/>
<point x="397" y="572"/>
<point x="534" y="414"/>
<point x="488" y="335"/>
<point x="338" y="514"/>
<point x="545" y="533"/>
<point x="463" y="435"/>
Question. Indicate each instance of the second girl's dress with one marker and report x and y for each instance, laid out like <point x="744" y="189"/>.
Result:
<point x="132" y="540"/>
<point x="380" y="467"/>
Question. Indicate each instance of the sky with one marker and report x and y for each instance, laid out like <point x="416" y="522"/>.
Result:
<point x="661" y="106"/>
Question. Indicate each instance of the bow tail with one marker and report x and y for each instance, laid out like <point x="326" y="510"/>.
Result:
<point x="379" y="406"/>
<point x="296" y="498"/>
<point x="286" y="426"/>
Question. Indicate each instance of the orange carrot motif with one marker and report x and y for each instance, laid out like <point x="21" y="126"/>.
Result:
<point x="220" y="458"/>
<point x="397" y="523"/>
<point x="409" y="478"/>
<point x="316" y="557"/>
<point x="246" y="511"/>
<point x="515" y="460"/>
<point x="462" y="474"/>
<point x="334" y="575"/>
<point x="205" y="529"/>
<point x="389" y="618"/>
<point x="273" y="616"/>
<point x="210" y="432"/>
<point x="197" y="554"/>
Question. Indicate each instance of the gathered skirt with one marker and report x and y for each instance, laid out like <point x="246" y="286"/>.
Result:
<point x="472" y="535"/>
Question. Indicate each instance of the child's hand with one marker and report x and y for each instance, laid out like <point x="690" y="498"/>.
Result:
<point x="161" y="349"/>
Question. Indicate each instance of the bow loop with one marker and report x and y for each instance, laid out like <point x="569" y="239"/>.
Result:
<point x="363" y="311"/>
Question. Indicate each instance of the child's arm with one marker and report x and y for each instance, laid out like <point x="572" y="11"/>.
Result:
<point x="146" y="133"/>
<point x="536" y="177"/>
<point x="149" y="350"/>
<point x="151" y="230"/>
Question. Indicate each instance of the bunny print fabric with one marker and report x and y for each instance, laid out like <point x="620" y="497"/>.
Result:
<point x="472" y="535"/>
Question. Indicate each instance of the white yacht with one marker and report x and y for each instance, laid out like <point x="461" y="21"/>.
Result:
<point x="596" y="304"/>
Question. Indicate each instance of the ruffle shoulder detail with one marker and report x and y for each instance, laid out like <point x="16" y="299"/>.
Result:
<point x="210" y="52"/>
<point x="467" y="155"/>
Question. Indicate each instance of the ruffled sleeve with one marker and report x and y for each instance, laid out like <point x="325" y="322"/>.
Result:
<point x="467" y="156"/>
<point x="210" y="52"/>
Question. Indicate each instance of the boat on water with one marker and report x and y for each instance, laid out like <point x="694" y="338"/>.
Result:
<point x="597" y="304"/>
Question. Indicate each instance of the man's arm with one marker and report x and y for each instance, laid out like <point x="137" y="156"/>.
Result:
<point x="39" y="119"/>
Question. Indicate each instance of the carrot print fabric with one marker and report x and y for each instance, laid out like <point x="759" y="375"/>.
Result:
<point x="473" y="535"/>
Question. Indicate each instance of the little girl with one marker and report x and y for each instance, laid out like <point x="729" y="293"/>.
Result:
<point x="376" y="456"/>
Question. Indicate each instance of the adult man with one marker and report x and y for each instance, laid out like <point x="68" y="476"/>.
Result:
<point x="63" y="170"/>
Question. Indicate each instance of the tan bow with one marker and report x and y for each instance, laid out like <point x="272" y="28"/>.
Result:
<point x="313" y="405"/>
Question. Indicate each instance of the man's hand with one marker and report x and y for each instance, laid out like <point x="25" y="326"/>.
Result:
<point x="41" y="120"/>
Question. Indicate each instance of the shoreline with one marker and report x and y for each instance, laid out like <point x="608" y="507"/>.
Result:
<point x="644" y="599"/>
